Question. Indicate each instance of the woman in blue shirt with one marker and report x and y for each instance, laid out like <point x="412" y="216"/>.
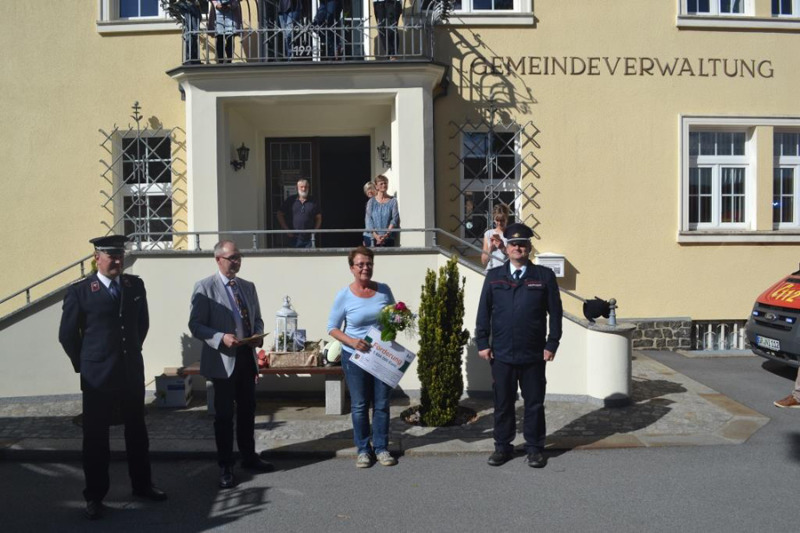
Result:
<point x="357" y="307"/>
<point x="382" y="214"/>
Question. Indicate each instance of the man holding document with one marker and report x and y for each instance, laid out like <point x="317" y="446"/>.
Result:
<point x="226" y="316"/>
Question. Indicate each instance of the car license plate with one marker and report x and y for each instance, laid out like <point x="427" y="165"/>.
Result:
<point x="766" y="342"/>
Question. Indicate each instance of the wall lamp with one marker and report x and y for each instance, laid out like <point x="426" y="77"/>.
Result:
<point x="385" y="153"/>
<point x="244" y="153"/>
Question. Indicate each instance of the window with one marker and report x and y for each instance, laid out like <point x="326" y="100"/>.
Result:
<point x="133" y="16"/>
<point x="147" y="187"/>
<point x="129" y="9"/>
<point x="489" y="177"/>
<point x="717" y="7"/>
<point x="785" y="205"/>
<point x="718" y="180"/>
<point x="785" y="8"/>
<point x="484" y="5"/>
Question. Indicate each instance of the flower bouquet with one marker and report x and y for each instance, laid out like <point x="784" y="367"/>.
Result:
<point x="394" y="318"/>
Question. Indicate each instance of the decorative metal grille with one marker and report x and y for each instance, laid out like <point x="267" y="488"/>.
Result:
<point x="497" y="164"/>
<point x="138" y="172"/>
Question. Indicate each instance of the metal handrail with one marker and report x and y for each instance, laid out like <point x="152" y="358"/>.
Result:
<point x="27" y="290"/>
<point x="137" y="242"/>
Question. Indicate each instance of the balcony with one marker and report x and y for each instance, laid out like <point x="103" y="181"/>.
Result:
<point x="351" y="40"/>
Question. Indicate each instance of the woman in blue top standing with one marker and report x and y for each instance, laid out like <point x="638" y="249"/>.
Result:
<point x="357" y="307"/>
<point x="382" y="214"/>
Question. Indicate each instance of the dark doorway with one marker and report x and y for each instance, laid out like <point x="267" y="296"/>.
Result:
<point x="337" y="168"/>
<point x="344" y="167"/>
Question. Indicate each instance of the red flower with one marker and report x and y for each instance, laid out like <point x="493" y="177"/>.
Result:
<point x="400" y="306"/>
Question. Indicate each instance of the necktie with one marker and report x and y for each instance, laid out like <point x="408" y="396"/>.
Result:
<point x="517" y="275"/>
<point x="113" y="288"/>
<point x="243" y="313"/>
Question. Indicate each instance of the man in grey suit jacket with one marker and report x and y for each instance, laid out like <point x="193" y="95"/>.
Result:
<point x="224" y="311"/>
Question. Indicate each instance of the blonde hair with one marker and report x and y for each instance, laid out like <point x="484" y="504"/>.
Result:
<point x="367" y="186"/>
<point x="380" y="177"/>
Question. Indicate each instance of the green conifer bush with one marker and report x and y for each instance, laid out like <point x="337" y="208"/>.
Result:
<point x="441" y="343"/>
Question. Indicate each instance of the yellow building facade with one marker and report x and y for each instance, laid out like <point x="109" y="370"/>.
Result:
<point x="654" y="145"/>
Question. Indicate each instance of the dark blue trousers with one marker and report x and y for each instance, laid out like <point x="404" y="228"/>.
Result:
<point x="531" y="380"/>
<point x="98" y="410"/>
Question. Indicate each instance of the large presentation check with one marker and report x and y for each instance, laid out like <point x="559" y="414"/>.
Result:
<point x="387" y="361"/>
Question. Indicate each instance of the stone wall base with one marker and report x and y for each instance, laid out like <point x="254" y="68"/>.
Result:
<point x="672" y="334"/>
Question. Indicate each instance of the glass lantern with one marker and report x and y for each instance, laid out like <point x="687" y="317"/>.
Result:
<point x="285" y="326"/>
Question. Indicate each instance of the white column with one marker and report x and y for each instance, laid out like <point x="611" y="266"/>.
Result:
<point x="202" y="184"/>
<point x="412" y="162"/>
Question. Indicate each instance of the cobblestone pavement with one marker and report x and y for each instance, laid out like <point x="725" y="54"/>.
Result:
<point x="667" y="408"/>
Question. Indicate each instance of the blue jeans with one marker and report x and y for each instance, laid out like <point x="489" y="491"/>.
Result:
<point x="287" y="22"/>
<point x="365" y="389"/>
<point x="301" y="241"/>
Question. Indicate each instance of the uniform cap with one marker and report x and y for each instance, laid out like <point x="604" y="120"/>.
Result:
<point x="110" y="244"/>
<point x="518" y="232"/>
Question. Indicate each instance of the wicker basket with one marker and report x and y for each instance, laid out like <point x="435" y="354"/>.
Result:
<point x="309" y="357"/>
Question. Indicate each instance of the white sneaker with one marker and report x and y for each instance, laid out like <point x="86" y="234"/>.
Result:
<point x="386" y="459"/>
<point x="363" y="461"/>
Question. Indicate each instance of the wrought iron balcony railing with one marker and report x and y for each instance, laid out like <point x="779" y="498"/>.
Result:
<point x="347" y="40"/>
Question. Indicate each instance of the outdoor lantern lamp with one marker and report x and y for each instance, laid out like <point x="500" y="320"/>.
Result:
<point x="243" y="152"/>
<point x="385" y="153"/>
<point x="285" y="326"/>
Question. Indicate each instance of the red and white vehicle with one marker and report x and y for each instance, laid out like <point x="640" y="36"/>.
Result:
<point x="772" y="328"/>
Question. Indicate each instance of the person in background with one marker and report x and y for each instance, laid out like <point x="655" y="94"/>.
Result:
<point x="793" y="400"/>
<point x="356" y="308"/>
<point x="224" y="311"/>
<point x="369" y="192"/>
<point x="387" y="15"/>
<point x="289" y="14"/>
<point x="304" y="214"/>
<point x="225" y="18"/>
<point x="517" y="331"/>
<point x="103" y="326"/>
<point x="494" y="243"/>
<point x="382" y="214"/>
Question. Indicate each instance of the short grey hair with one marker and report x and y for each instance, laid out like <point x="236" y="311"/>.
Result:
<point x="301" y="180"/>
<point x="220" y="246"/>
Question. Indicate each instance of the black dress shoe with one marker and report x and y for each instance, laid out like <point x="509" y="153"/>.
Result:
<point x="226" y="479"/>
<point x="499" y="458"/>
<point x="94" y="509"/>
<point x="537" y="460"/>
<point x="258" y="464"/>
<point x="151" y="493"/>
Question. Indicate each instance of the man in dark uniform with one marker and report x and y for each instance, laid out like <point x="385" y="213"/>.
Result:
<point x="103" y="326"/>
<point x="511" y="333"/>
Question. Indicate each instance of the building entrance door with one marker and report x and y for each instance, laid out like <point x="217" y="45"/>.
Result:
<point x="337" y="168"/>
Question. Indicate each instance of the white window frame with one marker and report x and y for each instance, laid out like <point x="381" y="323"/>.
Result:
<point x="747" y="161"/>
<point x="714" y="9"/>
<point x="788" y="162"/>
<point x="148" y="189"/>
<point x="520" y="15"/>
<point x="717" y="163"/>
<point x="109" y="22"/>
<point x="472" y="185"/>
<point x="750" y="234"/>
<point x="795" y="10"/>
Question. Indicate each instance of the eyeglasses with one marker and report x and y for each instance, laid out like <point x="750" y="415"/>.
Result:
<point x="518" y="244"/>
<point x="233" y="258"/>
<point x="362" y="266"/>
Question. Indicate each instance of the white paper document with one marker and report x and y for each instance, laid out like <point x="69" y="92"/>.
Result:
<point x="387" y="361"/>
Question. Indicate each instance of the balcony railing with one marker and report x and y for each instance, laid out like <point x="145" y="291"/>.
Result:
<point x="347" y="40"/>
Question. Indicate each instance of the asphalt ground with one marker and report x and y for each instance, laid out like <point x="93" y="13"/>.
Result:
<point x="737" y="487"/>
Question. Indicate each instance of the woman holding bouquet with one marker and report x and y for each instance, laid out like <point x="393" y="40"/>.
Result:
<point x="357" y="306"/>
